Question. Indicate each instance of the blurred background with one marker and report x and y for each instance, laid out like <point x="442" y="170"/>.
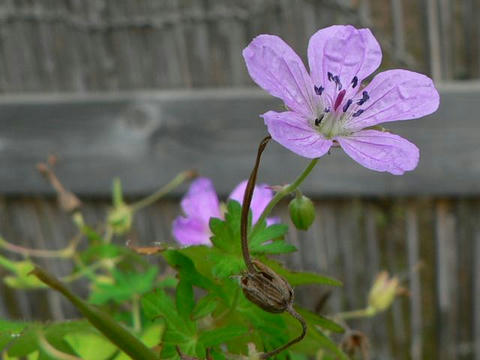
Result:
<point x="143" y="89"/>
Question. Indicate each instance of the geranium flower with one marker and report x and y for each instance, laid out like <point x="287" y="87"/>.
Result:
<point x="329" y="107"/>
<point x="201" y="203"/>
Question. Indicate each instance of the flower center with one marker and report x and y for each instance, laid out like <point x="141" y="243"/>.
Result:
<point x="334" y="113"/>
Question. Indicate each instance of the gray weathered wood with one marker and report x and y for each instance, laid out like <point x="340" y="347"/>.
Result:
<point x="146" y="138"/>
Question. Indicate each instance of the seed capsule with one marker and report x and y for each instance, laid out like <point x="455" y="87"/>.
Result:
<point x="267" y="289"/>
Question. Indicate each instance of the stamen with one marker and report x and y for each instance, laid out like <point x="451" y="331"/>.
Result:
<point x="345" y="107"/>
<point x="358" y="113"/>
<point x="364" y="98"/>
<point x="318" y="89"/>
<point x="327" y="110"/>
<point x="336" y="78"/>
<point x="339" y="99"/>
<point x="354" y="82"/>
<point x="318" y="121"/>
<point x="330" y="76"/>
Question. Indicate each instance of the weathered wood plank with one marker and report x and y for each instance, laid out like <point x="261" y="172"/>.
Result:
<point x="146" y="138"/>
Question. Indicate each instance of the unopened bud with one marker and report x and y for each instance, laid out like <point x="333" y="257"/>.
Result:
<point x="267" y="289"/>
<point x="383" y="292"/>
<point x="302" y="212"/>
<point x="120" y="219"/>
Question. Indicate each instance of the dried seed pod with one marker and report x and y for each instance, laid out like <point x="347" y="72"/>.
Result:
<point x="267" y="289"/>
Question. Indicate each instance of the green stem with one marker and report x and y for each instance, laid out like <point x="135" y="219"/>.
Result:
<point x="355" y="314"/>
<point x="287" y="189"/>
<point x="178" y="180"/>
<point x="137" y="325"/>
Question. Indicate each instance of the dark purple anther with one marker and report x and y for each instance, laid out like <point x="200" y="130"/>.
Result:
<point x="336" y="78"/>
<point x="327" y="110"/>
<point x="364" y="98"/>
<point x="330" y="76"/>
<point x="354" y="82"/>
<point x="339" y="99"/>
<point x="318" y="89"/>
<point x="318" y="121"/>
<point x="358" y="113"/>
<point x="348" y="103"/>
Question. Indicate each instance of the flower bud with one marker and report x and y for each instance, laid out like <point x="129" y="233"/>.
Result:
<point x="120" y="219"/>
<point x="383" y="292"/>
<point x="267" y="289"/>
<point x="302" y="212"/>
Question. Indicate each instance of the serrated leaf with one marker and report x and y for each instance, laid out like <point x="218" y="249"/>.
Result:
<point x="185" y="300"/>
<point x="274" y="247"/>
<point x="272" y="232"/>
<point x="126" y="286"/>
<point x="205" y="306"/>
<point x="319" y="320"/>
<point x="301" y="278"/>
<point x="158" y="304"/>
<point x="221" y="335"/>
<point x="228" y="265"/>
<point x="187" y="270"/>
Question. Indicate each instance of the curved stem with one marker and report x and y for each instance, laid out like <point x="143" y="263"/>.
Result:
<point x="297" y="316"/>
<point x="179" y="179"/>
<point x="247" y="199"/>
<point x="282" y="193"/>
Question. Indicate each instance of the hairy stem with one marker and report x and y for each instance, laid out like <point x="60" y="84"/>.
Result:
<point x="247" y="199"/>
<point x="178" y="180"/>
<point x="287" y="189"/>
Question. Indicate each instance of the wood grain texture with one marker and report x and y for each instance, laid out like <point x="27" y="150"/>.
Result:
<point x="146" y="138"/>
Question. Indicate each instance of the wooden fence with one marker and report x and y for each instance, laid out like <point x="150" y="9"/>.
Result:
<point x="367" y="221"/>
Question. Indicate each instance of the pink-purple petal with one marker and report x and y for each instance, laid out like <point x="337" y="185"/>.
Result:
<point x="275" y="67"/>
<point x="381" y="151"/>
<point x="396" y="95"/>
<point x="295" y="133"/>
<point x="342" y="51"/>
<point x="201" y="201"/>
<point x="262" y="195"/>
<point x="191" y="231"/>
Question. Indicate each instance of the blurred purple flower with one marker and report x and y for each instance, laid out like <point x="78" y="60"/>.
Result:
<point x="329" y="107"/>
<point x="201" y="203"/>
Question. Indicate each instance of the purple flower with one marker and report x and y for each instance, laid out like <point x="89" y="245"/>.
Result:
<point x="329" y="107"/>
<point x="201" y="203"/>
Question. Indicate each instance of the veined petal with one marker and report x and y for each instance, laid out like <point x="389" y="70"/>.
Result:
<point x="262" y="195"/>
<point x="201" y="201"/>
<point x="191" y="231"/>
<point x="381" y="151"/>
<point x="346" y="52"/>
<point x="295" y="133"/>
<point x="275" y="67"/>
<point x="396" y="95"/>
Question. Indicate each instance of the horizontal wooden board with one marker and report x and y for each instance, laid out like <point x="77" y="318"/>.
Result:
<point x="145" y="138"/>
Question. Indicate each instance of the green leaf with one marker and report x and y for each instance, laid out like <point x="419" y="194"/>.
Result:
<point x="221" y="335"/>
<point x="151" y="337"/>
<point x="227" y="265"/>
<point x="301" y="278"/>
<point x="157" y="304"/>
<point x="125" y="286"/>
<point x="187" y="270"/>
<point x="90" y="345"/>
<point x="274" y="247"/>
<point x="329" y="345"/>
<point x="185" y="300"/>
<point x="205" y="306"/>
<point x="272" y="232"/>
<point x="319" y="320"/>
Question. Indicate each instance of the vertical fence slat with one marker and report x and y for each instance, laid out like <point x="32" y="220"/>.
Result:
<point x="414" y="281"/>
<point x="446" y="280"/>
